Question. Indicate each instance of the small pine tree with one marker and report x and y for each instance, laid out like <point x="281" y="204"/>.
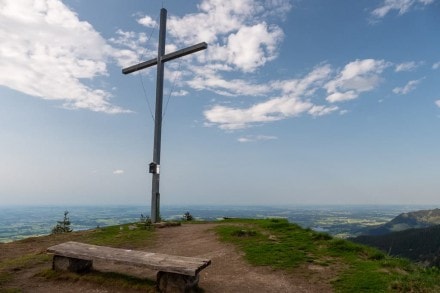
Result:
<point x="145" y="222"/>
<point x="62" y="226"/>
<point x="187" y="217"/>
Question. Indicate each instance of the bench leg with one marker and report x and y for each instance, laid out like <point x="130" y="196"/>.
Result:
<point x="176" y="283"/>
<point x="62" y="263"/>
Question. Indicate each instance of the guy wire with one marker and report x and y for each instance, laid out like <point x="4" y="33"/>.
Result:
<point x="176" y="74"/>
<point x="140" y="74"/>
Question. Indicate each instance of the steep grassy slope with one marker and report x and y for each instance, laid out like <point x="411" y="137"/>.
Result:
<point x="420" y="245"/>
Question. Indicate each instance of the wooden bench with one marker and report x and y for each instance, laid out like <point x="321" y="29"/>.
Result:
<point x="175" y="273"/>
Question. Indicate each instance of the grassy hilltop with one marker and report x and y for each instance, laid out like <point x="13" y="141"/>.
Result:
<point x="272" y="243"/>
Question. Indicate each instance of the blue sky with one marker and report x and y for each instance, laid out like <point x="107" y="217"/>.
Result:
<point x="293" y="102"/>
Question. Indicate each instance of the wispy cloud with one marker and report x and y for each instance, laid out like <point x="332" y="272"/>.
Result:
<point x="179" y="93"/>
<point x="118" y="172"/>
<point x="401" y="6"/>
<point x="356" y="77"/>
<point x="410" y="86"/>
<point x="297" y="96"/>
<point x="290" y="103"/>
<point x="255" y="138"/>
<point x="436" y="65"/>
<point x="47" y="52"/>
<point x="407" y="66"/>
<point x="320" y="110"/>
<point x="206" y="78"/>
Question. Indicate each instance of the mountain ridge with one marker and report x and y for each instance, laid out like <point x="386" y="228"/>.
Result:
<point x="405" y="221"/>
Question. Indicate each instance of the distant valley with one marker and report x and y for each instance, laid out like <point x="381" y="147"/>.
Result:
<point x="340" y="221"/>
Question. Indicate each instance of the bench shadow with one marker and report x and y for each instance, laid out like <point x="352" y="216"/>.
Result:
<point x="110" y="279"/>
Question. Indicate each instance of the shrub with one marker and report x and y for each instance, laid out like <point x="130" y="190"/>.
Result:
<point x="62" y="226"/>
<point x="187" y="217"/>
<point x="145" y="222"/>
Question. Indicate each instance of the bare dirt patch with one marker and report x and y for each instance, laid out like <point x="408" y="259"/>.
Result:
<point x="229" y="271"/>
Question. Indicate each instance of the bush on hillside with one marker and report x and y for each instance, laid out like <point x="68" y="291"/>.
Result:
<point x="62" y="226"/>
<point x="187" y="217"/>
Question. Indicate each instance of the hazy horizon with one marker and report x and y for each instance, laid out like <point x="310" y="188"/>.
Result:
<point x="18" y="222"/>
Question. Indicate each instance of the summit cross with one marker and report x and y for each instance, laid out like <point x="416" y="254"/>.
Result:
<point x="160" y="62"/>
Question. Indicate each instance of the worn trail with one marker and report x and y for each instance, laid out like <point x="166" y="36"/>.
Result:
<point x="229" y="271"/>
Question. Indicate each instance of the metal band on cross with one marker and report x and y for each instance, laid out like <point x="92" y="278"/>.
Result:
<point x="160" y="62"/>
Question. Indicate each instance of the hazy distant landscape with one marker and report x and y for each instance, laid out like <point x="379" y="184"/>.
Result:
<point x="18" y="222"/>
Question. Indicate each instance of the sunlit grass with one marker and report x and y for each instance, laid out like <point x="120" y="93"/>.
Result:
<point x="281" y="245"/>
<point x="128" y="236"/>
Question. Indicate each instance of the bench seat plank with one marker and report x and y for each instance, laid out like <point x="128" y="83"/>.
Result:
<point x="161" y="262"/>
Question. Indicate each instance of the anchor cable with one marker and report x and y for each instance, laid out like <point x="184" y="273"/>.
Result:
<point x="176" y="74"/>
<point x="140" y="74"/>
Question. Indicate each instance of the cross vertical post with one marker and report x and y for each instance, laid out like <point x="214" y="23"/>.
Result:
<point x="155" y="194"/>
<point x="160" y="62"/>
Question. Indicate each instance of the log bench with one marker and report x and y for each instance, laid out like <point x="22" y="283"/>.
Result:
<point x="175" y="273"/>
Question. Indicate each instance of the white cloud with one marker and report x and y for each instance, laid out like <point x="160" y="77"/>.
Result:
<point x="437" y="103"/>
<point x="255" y="138"/>
<point x="235" y="31"/>
<point x="118" y="172"/>
<point x="289" y="104"/>
<point x="406" y="66"/>
<point x="272" y="110"/>
<point x="356" y="77"/>
<point x="340" y="97"/>
<point x="147" y="21"/>
<point x="180" y="93"/>
<point x="251" y="47"/>
<point x="436" y="65"/>
<point x="240" y="40"/>
<point x="410" y="86"/>
<point x="307" y="85"/>
<point x="322" y="110"/>
<point x="134" y="44"/>
<point x="296" y="96"/>
<point x="402" y="6"/>
<point x="207" y="78"/>
<point x="47" y="52"/>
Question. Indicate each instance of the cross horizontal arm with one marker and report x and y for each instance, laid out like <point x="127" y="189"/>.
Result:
<point x="165" y="58"/>
<point x="139" y="66"/>
<point x="184" y="52"/>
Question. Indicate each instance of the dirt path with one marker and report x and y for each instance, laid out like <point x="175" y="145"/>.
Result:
<point x="229" y="272"/>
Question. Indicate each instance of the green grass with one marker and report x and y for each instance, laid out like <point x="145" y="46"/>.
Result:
<point x="10" y="267"/>
<point x="23" y="261"/>
<point x="272" y="242"/>
<point x="10" y="290"/>
<point x="119" y="236"/>
<point x="114" y="236"/>
<point x="281" y="245"/>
